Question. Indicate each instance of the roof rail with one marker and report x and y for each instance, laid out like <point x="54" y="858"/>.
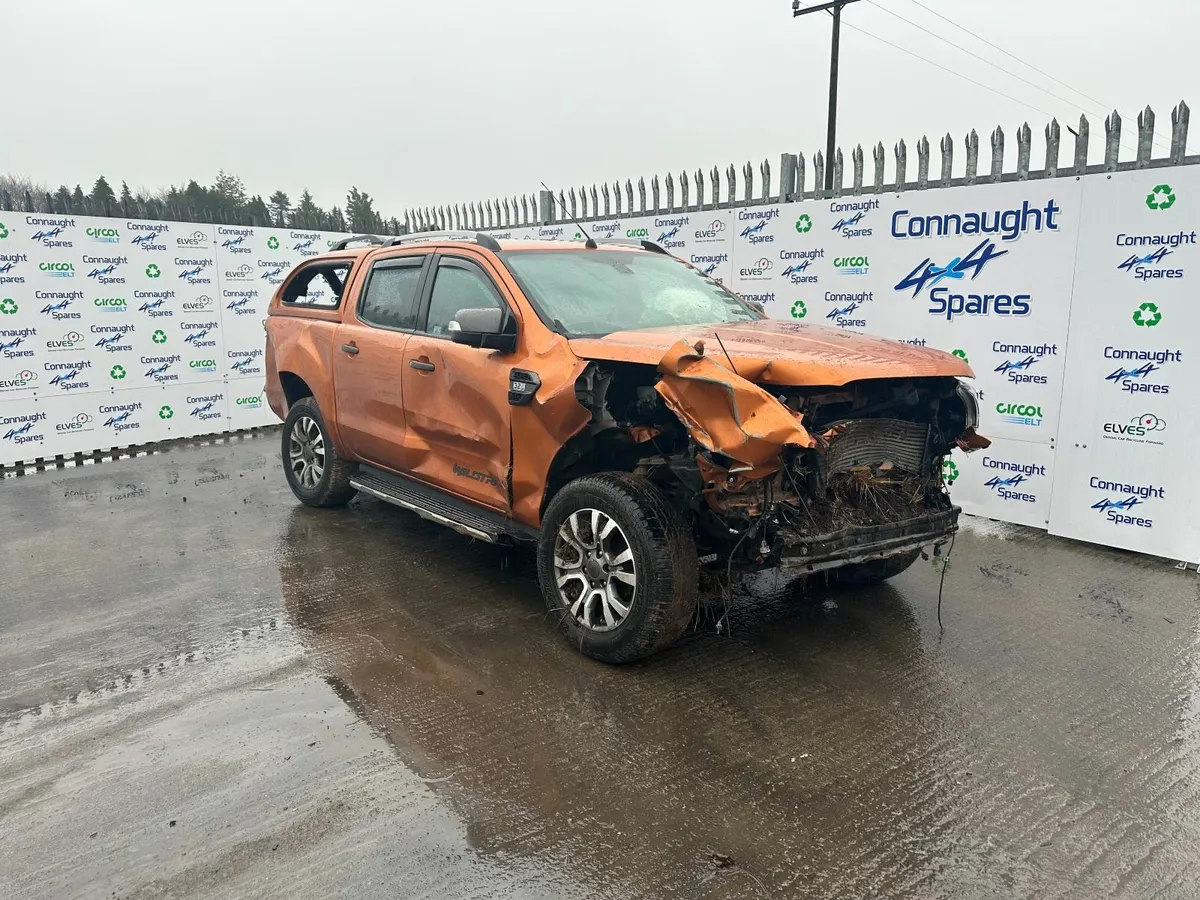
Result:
<point x="368" y="238"/>
<point x="484" y="240"/>
<point x="645" y="245"/>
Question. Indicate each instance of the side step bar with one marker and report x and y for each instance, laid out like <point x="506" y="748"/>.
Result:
<point x="437" y="506"/>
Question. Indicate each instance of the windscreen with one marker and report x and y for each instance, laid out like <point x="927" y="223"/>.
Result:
<point x="588" y="293"/>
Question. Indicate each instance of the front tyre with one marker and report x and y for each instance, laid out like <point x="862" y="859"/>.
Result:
<point x="617" y="566"/>
<point x="315" y="472"/>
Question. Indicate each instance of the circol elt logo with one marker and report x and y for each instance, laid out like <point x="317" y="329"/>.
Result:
<point x="799" y="310"/>
<point x="804" y="223"/>
<point x="950" y="471"/>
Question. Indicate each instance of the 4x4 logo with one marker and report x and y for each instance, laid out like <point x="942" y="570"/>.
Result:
<point x="926" y="274"/>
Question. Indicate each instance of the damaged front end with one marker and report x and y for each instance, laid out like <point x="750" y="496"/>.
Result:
<point x="810" y="478"/>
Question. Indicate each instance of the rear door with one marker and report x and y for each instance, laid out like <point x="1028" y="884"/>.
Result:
<point x="368" y="355"/>
<point x="458" y="416"/>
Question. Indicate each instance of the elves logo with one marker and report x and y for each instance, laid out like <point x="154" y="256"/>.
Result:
<point x="1140" y="430"/>
<point x="712" y="232"/>
<point x="758" y="270"/>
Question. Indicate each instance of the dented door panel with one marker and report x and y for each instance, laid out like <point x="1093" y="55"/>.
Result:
<point x="458" y="435"/>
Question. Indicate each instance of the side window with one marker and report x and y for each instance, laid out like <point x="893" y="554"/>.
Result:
<point x="319" y="285"/>
<point x="458" y="285"/>
<point x="390" y="299"/>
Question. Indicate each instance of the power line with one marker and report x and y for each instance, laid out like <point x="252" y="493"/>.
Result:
<point x="1101" y="105"/>
<point x="980" y="58"/>
<point x="986" y="87"/>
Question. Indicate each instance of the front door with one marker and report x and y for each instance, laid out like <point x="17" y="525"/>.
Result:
<point x="456" y="396"/>
<point x="368" y="354"/>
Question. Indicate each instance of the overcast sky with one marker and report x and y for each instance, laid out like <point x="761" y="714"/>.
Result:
<point x="433" y="102"/>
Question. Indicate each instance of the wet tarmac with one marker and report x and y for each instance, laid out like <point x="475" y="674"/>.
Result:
<point x="207" y="690"/>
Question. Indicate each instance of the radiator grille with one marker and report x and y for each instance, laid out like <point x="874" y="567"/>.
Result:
<point x="871" y="442"/>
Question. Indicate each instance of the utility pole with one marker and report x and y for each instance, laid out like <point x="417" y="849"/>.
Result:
<point x="830" y="137"/>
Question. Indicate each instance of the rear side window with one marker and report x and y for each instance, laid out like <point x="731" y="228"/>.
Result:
<point x="390" y="300"/>
<point x="319" y="285"/>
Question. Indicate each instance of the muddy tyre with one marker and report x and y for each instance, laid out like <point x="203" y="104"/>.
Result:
<point x="315" y="472"/>
<point x="617" y="566"/>
<point x="875" y="571"/>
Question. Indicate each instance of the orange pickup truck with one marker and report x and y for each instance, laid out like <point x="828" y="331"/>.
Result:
<point x="615" y="407"/>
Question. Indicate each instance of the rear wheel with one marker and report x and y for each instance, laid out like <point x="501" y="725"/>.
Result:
<point x="617" y="566"/>
<point x="875" y="571"/>
<point x="317" y="475"/>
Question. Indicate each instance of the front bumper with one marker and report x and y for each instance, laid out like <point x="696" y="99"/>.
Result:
<point x="861" y="543"/>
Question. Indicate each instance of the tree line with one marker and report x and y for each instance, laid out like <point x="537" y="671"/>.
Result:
<point x="225" y="201"/>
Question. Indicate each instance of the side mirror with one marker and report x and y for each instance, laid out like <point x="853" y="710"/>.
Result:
<point x="482" y="328"/>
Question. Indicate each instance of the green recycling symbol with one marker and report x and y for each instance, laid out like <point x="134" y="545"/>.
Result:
<point x="3" y="231"/>
<point x="804" y="223"/>
<point x="1162" y="197"/>
<point x="165" y="412"/>
<point x="117" y="372"/>
<point x="950" y="471"/>
<point x="8" y="306"/>
<point x="961" y="354"/>
<point x="799" y="310"/>
<point x="152" y="271"/>
<point x="273" y="242"/>
<point x="1147" y="315"/>
<point x="159" y="337"/>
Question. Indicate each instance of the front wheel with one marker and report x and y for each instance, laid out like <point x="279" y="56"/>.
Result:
<point x="317" y="475"/>
<point x="617" y="566"/>
<point x="875" y="571"/>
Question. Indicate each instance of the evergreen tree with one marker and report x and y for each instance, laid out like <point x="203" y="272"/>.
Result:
<point x="62" y="199"/>
<point x="256" y="212"/>
<point x="281" y="206"/>
<point x="102" y="197"/>
<point x="229" y="195"/>
<point x="360" y="212"/>
<point x="306" y="213"/>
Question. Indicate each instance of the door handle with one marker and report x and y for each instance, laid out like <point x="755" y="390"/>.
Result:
<point x="422" y="366"/>
<point x="350" y="348"/>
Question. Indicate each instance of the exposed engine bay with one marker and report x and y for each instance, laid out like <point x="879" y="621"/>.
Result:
<point x="813" y="477"/>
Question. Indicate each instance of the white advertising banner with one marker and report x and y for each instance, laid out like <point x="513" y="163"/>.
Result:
<point x="117" y="332"/>
<point x="1010" y="481"/>
<point x="1068" y="297"/>
<point x="811" y="261"/>
<point x="250" y="263"/>
<point x="1128" y="427"/>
